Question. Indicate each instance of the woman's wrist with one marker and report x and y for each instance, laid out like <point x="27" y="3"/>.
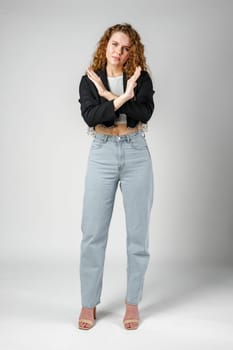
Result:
<point x="120" y="100"/>
<point x="108" y="95"/>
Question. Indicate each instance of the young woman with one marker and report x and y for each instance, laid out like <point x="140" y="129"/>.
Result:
<point x="116" y="100"/>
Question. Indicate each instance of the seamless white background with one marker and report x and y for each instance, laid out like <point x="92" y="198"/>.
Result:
<point x="45" y="47"/>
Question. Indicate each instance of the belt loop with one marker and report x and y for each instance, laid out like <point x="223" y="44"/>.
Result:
<point x="105" y="138"/>
<point x="128" y="138"/>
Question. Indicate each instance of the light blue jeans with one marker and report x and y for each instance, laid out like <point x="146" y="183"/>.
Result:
<point x="125" y="160"/>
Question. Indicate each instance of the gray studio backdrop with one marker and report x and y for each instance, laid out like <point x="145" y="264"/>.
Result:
<point x="45" y="48"/>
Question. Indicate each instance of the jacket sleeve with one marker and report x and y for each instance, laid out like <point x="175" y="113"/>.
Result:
<point x="93" y="110"/>
<point x="141" y="106"/>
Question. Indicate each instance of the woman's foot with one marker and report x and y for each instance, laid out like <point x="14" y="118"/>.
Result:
<point x="87" y="318"/>
<point x="131" y="319"/>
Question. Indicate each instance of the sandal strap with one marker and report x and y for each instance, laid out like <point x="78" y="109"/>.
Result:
<point x="86" y="320"/>
<point x="131" y="320"/>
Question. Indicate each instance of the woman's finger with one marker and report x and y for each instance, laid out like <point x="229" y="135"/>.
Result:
<point x="93" y="75"/>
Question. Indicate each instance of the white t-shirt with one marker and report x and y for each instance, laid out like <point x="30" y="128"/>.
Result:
<point x="116" y="87"/>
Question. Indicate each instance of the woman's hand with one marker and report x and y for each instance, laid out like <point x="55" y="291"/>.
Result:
<point x="97" y="81"/>
<point x="131" y="83"/>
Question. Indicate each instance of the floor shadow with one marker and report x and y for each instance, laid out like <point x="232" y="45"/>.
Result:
<point x="174" y="284"/>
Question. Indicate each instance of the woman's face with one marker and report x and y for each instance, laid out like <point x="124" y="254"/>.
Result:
<point x="118" y="48"/>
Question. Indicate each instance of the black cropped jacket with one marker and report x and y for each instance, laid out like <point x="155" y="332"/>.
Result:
<point x="98" y="110"/>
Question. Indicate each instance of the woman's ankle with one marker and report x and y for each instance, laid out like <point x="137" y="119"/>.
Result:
<point x="128" y="305"/>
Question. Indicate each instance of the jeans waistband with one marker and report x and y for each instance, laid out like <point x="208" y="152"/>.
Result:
<point x="127" y="137"/>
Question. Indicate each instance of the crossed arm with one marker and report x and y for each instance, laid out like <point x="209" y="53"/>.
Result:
<point x="95" y="112"/>
<point x="118" y="101"/>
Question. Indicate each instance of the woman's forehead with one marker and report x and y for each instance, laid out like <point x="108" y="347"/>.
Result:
<point x="121" y="37"/>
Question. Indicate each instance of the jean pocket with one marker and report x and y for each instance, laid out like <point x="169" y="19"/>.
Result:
<point x="139" y="142"/>
<point x="97" y="143"/>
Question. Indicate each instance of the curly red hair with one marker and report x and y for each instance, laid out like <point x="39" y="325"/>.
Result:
<point x="136" y="56"/>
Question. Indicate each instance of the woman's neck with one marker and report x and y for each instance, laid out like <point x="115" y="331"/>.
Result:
<point x="114" y="71"/>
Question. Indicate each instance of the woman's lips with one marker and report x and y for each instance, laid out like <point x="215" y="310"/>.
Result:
<point x="116" y="58"/>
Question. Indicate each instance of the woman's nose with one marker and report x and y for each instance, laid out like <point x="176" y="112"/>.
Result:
<point x="119" y="51"/>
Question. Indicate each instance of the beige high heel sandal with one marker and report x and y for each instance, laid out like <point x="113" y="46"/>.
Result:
<point x="88" y="321"/>
<point x="131" y="320"/>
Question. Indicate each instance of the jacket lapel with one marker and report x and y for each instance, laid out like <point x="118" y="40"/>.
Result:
<point x="103" y="75"/>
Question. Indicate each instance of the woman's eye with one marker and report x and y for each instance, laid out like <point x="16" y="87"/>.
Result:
<point x="125" y="48"/>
